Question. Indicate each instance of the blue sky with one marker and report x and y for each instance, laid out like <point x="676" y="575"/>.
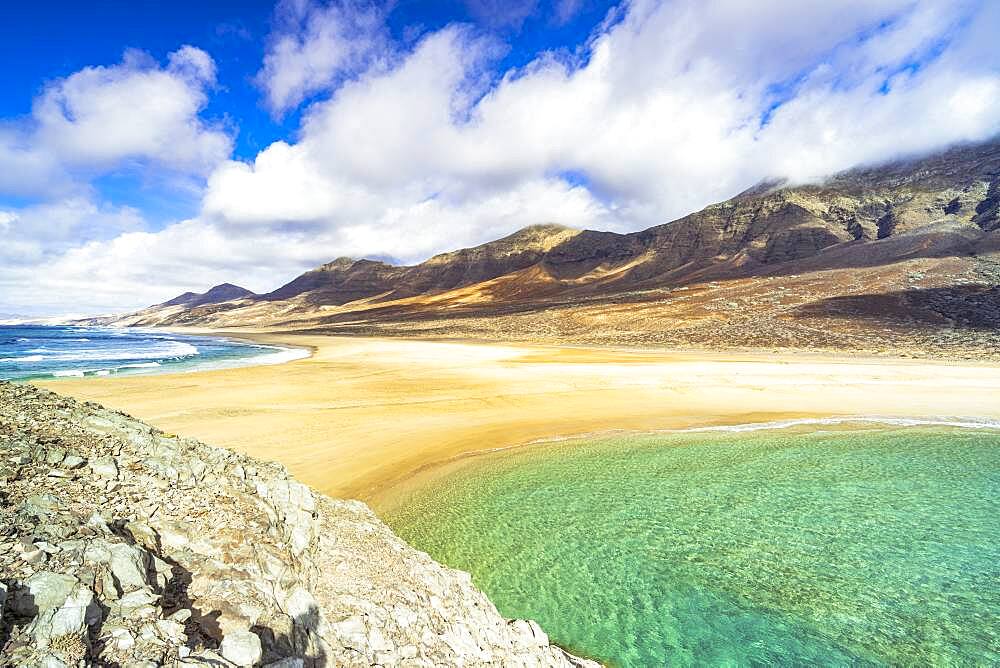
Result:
<point x="149" y="148"/>
<point x="54" y="40"/>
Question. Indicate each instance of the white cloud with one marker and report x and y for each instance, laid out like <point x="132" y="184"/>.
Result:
<point x="565" y="10"/>
<point x="281" y="186"/>
<point x="664" y="113"/>
<point x="136" y="115"/>
<point x="192" y="64"/>
<point x="101" y="117"/>
<point x="419" y="149"/>
<point x="138" y="268"/>
<point x="45" y="230"/>
<point x="316" y="45"/>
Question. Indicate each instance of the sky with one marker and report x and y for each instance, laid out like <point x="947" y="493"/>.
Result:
<point x="151" y="148"/>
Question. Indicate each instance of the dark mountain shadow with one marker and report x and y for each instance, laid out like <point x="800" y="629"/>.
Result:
<point x="863" y="254"/>
<point x="975" y="307"/>
<point x="570" y="260"/>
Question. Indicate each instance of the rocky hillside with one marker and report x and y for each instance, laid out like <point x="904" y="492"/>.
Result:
<point x="220" y="293"/>
<point x="910" y="248"/>
<point x="121" y="545"/>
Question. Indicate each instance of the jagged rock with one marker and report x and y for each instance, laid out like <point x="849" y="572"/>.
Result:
<point x="139" y="603"/>
<point x="290" y="662"/>
<point x="40" y="505"/>
<point x="165" y="575"/>
<point x="120" y="638"/>
<point x="127" y="563"/>
<point x="54" y="456"/>
<point x="104" y="467"/>
<point x="171" y="629"/>
<point x="180" y="616"/>
<point x="42" y="592"/>
<point x="66" y="621"/>
<point x="241" y="648"/>
<point x="73" y="462"/>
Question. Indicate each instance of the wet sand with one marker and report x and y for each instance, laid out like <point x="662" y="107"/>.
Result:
<point x="362" y="415"/>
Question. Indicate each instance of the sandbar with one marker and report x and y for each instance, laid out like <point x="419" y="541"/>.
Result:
<point x="362" y="415"/>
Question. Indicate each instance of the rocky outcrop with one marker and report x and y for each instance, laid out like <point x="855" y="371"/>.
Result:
<point x="123" y="545"/>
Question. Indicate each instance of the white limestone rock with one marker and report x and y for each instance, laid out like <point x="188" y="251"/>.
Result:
<point x="242" y="648"/>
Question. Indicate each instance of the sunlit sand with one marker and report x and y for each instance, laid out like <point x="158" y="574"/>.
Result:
<point x="361" y="415"/>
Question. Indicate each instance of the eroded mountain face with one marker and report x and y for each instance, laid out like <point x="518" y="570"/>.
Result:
<point x="903" y="254"/>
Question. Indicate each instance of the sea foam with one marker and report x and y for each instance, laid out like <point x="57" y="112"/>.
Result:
<point x="934" y="421"/>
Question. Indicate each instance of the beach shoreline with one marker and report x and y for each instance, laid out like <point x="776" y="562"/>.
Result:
<point x="361" y="416"/>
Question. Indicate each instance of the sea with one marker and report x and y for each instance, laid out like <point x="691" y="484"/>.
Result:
<point x="37" y="352"/>
<point x="824" y="544"/>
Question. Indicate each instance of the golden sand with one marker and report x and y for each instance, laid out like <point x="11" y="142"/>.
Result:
<point x="362" y="415"/>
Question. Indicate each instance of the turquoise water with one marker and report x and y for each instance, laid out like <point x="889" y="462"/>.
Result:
<point x="863" y="546"/>
<point x="31" y="351"/>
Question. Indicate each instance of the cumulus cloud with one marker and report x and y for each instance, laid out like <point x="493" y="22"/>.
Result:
<point x="411" y="149"/>
<point x="137" y="115"/>
<point x="33" y="233"/>
<point x="317" y="45"/>
<point x="671" y="107"/>
<point x="101" y="117"/>
<point x="138" y="268"/>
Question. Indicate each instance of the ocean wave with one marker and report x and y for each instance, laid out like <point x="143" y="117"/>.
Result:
<point x="280" y="356"/>
<point x="934" y="421"/>
<point x="100" y="352"/>
<point x="175" y="350"/>
<point x="957" y="422"/>
<point x="80" y="373"/>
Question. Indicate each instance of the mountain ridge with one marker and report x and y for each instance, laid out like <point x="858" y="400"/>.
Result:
<point x="223" y="292"/>
<point x="859" y="232"/>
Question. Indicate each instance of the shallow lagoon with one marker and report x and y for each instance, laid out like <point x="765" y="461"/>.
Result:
<point x="831" y="546"/>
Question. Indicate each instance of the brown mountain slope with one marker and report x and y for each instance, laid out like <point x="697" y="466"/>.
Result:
<point x="220" y="293"/>
<point x="901" y="254"/>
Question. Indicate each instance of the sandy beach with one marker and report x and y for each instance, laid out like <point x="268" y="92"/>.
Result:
<point x="361" y="415"/>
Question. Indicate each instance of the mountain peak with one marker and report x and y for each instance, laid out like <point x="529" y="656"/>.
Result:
<point x="342" y="262"/>
<point x="223" y="292"/>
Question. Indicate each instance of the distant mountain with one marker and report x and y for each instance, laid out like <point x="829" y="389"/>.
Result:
<point x="345" y="280"/>
<point x="220" y="298"/>
<point x="893" y="238"/>
<point x="220" y="293"/>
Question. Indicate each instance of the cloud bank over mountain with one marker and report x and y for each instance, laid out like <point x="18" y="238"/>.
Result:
<point x="407" y="147"/>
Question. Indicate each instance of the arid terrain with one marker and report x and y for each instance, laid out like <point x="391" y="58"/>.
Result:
<point x="126" y="546"/>
<point x="901" y="259"/>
